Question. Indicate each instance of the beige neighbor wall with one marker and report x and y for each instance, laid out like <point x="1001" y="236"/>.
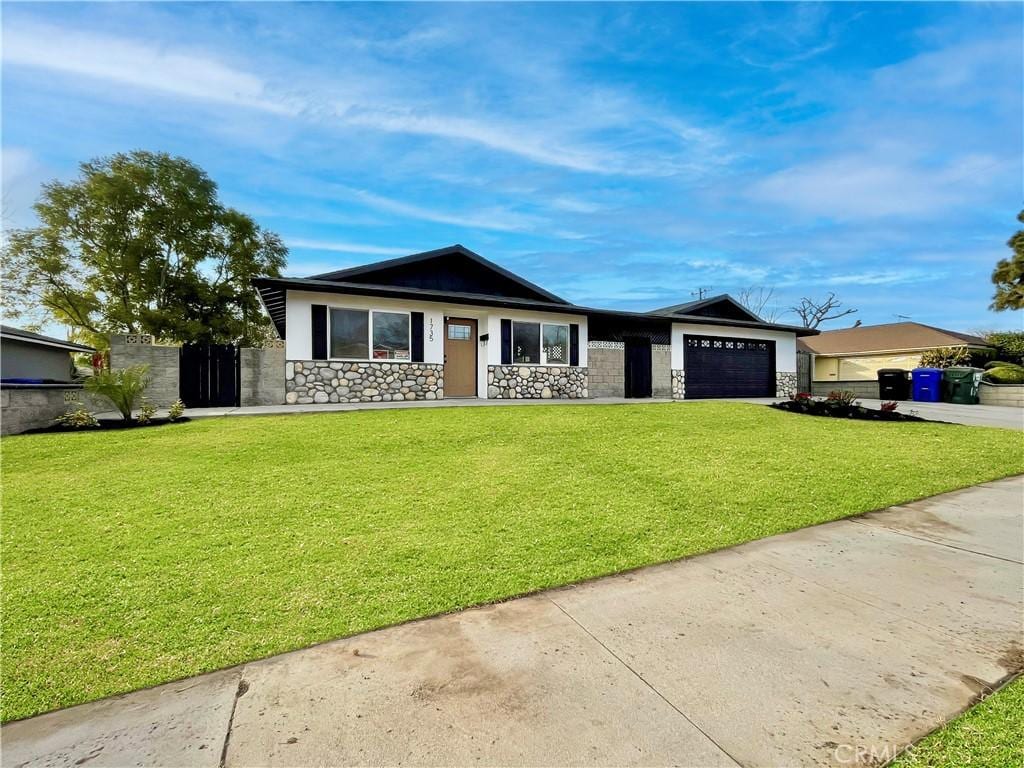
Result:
<point x="865" y="368"/>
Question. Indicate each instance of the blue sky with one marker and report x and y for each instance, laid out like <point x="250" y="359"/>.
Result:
<point x="618" y="155"/>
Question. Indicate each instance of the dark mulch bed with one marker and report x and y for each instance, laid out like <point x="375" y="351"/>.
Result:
<point x="111" y="424"/>
<point x="840" y="411"/>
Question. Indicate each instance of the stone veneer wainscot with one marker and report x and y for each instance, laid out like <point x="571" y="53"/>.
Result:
<point x="516" y="382"/>
<point x="785" y="383"/>
<point x="678" y="384"/>
<point x="326" y="381"/>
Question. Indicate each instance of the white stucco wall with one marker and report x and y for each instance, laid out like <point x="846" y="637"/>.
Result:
<point x="299" y="344"/>
<point x="785" y="342"/>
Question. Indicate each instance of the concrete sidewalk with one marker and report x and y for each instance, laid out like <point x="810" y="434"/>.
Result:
<point x="808" y="648"/>
<point x="975" y="415"/>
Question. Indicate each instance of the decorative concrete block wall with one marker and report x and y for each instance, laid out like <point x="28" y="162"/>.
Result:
<point x="515" y="382"/>
<point x="785" y="383"/>
<point x="678" y="384"/>
<point x="262" y="375"/>
<point x="33" y="407"/>
<point x="322" y="381"/>
<point x="661" y="370"/>
<point x="606" y="368"/>
<point x="1001" y="394"/>
<point x="131" y="349"/>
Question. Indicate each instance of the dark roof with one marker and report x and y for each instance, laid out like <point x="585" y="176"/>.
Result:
<point x="273" y="292"/>
<point x="37" y="338"/>
<point x="722" y="305"/>
<point x="888" y="337"/>
<point x="453" y="267"/>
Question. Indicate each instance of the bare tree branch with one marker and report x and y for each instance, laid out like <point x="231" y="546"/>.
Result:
<point x="813" y="313"/>
<point x="761" y="300"/>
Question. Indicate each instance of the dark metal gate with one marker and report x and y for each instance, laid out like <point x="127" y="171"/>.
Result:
<point x="209" y="375"/>
<point x="638" y="367"/>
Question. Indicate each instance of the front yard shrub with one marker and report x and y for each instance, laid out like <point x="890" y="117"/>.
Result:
<point x="80" y="418"/>
<point x="177" y="408"/>
<point x="146" y="413"/>
<point x="1004" y="373"/>
<point x="841" y="397"/>
<point x="946" y="357"/>
<point x="122" y="387"/>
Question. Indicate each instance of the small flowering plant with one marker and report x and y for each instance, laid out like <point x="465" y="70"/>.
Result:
<point x="890" y="406"/>
<point x="801" y="397"/>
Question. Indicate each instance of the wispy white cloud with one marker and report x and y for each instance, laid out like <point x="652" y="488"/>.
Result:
<point x="150" y="66"/>
<point x="492" y="217"/>
<point x="343" y="247"/>
<point x="558" y="138"/>
<point x="874" y="184"/>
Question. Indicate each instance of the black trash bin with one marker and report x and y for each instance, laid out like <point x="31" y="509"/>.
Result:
<point x="893" y="384"/>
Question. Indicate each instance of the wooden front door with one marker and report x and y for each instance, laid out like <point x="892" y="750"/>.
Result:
<point x="460" y="345"/>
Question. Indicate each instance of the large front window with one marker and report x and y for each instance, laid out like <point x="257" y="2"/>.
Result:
<point x="354" y="332"/>
<point x="390" y="336"/>
<point x="556" y="344"/>
<point x="540" y="343"/>
<point x="526" y="343"/>
<point x="350" y="329"/>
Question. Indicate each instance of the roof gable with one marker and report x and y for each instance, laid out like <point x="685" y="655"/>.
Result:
<point x="723" y="306"/>
<point x="455" y="269"/>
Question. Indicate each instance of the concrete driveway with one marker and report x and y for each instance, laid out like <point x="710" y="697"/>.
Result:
<point x="831" y="645"/>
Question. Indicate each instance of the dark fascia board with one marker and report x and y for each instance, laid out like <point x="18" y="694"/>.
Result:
<point x="689" y="306"/>
<point x="17" y="334"/>
<point x="269" y="286"/>
<point x="341" y="274"/>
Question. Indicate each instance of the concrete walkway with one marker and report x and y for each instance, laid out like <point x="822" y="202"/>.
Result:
<point x="809" y="648"/>
<point x="976" y="415"/>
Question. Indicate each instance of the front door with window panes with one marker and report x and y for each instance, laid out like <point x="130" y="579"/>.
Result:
<point x="460" y="349"/>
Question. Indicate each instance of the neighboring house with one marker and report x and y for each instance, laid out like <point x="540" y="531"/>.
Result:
<point x="449" y="323"/>
<point x="31" y="358"/>
<point x="36" y="379"/>
<point x="850" y="358"/>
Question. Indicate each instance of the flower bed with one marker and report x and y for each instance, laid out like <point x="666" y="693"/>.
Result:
<point x="112" y="424"/>
<point x="842" y="405"/>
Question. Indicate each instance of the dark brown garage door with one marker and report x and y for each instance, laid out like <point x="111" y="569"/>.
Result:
<point x="717" y="366"/>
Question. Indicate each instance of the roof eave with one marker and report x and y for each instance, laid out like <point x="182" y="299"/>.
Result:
<point x="284" y="284"/>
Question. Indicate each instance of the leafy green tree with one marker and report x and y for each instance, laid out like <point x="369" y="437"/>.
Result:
<point x="140" y="243"/>
<point x="1008" y="276"/>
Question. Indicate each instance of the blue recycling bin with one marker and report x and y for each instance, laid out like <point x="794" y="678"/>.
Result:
<point x="927" y="384"/>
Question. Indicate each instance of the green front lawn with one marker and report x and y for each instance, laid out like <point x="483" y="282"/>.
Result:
<point x="131" y="558"/>
<point x="989" y="735"/>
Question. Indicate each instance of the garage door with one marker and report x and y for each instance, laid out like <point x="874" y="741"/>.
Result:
<point x="717" y="366"/>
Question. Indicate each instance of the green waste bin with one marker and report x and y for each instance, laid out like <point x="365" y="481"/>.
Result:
<point x="960" y="385"/>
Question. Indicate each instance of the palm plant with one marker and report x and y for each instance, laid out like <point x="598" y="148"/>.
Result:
<point x="122" y="387"/>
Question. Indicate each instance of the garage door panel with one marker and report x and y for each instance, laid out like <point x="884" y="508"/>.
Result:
<point x="720" y="366"/>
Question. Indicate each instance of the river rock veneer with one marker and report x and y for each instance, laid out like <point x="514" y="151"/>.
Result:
<point x="322" y="381"/>
<point x="516" y="382"/>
